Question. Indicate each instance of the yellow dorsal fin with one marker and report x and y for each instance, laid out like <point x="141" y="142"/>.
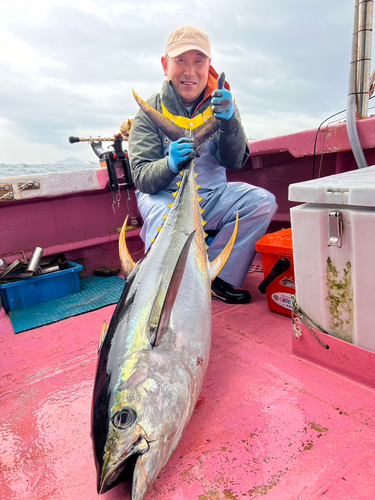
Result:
<point x="198" y="187"/>
<point x="205" y="235"/>
<point x="217" y="265"/>
<point x="174" y="194"/>
<point x="158" y="229"/>
<point x="200" y="198"/>
<point x="196" y="175"/>
<point x="178" y="184"/>
<point x="170" y="205"/>
<point x="202" y="211"/>
<point x="103" y="334"/>
<point x="165" y="216"/>
<point x="127" y="263"/>
<point x="181" y="173"/>
<point x="152" y="240"/>
<point x="203" y="222"/>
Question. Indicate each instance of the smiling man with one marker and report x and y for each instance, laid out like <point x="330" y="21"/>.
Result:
<point x="189" y="74"/>
<point x="189" y="96"/>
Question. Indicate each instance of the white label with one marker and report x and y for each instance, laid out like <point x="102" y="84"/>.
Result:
<point x="282" y="299"/>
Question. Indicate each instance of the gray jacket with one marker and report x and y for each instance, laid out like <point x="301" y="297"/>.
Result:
<point x="148" y="147"/>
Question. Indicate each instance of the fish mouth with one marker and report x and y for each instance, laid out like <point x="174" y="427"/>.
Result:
<point x="122" y="470"/>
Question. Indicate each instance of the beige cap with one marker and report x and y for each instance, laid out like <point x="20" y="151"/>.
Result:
<point x="187" y="38"/>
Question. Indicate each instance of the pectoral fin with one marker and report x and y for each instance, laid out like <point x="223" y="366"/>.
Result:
<point x="161" y="311"/>
<point x="217" y="265"/>
<point x="127" y="263"/>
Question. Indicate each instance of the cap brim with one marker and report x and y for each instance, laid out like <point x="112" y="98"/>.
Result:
<point x="186" y="48"/>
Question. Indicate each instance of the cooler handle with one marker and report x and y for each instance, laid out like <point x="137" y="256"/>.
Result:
<point x="281" y="265"/>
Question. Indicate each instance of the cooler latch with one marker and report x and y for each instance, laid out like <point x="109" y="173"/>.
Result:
<point x="335" y="228"/>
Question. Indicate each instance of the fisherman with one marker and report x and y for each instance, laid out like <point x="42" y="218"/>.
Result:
<point x="189" y="96"/>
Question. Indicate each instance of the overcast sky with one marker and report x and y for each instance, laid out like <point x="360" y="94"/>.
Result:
<point x="68" y="66"/>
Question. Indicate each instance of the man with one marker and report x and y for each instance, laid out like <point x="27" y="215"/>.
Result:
<point x="189" y="96"/>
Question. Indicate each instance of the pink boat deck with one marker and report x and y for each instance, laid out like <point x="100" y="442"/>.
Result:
<point x="267" y="424"/>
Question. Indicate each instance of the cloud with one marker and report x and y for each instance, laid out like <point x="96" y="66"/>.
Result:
<point x="70" y="65"/>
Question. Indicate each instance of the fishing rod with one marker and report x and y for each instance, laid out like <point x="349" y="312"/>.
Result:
<point x="90" y="140"/>
<point x="112" y="159"/>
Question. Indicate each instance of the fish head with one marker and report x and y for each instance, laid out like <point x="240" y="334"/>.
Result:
<point x="144" y="421"/>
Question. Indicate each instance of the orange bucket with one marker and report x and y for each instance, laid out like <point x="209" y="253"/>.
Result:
<point x="278" y="270"/>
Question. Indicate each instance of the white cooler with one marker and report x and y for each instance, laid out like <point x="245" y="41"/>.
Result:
<point x="334" y="253"/>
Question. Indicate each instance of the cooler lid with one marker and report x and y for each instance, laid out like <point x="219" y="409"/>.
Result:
<point x="356" y="187"/>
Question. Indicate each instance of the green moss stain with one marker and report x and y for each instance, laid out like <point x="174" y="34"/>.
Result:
<point x="217" y="495"/>
<point x="317" y="427"/>
<point x="263" y="489"/>
<point x="340" y="300"/>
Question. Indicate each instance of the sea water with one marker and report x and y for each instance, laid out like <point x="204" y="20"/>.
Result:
<point x="21" y="169"/>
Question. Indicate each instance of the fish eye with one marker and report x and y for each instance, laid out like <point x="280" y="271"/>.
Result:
<point x="124" y="418"/>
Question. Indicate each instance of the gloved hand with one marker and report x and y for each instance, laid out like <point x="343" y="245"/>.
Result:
<point x="178" y="152"/>
<point x="222" y="104"/>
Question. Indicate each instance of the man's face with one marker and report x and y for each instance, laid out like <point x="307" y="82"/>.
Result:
<point x="189" y="74"/>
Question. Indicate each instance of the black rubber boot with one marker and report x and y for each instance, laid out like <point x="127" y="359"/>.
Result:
<point x="222" y="290"/>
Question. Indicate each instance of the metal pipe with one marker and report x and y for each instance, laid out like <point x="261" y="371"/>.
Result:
<point x="32" y="266"/>
<point x="50" y="269"/>
<point x="352" y="96"/>
<point x="365" y="11"/>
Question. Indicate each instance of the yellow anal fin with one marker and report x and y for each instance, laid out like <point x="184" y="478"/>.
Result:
<point x="127" y="263"/>
<point x="217" y="265"/>
<point x="103" y="334"/>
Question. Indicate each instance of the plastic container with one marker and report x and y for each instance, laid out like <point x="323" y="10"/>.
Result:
<point x="32" y="291"/>
<point x="334" y="253"/>
<point x="276" y="250"/>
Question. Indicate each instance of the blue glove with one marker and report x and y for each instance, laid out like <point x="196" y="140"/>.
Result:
<point x="222" y="104"/>
<point x="179" y="151"/>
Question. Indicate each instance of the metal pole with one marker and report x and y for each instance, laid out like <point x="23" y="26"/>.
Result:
<point x="351" y="124"/>
<point x="365" y="13"/>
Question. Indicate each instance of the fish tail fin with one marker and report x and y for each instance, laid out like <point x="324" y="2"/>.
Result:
<point x="170" y="129"/>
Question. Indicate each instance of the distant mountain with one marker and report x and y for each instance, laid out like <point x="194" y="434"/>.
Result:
<point x="70" y="161"/>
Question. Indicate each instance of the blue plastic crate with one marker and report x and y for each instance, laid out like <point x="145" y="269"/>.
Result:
<point x="32" y="291"/>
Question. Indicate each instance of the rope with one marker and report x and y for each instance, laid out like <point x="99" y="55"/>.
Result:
<point x="299" y="313"/>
